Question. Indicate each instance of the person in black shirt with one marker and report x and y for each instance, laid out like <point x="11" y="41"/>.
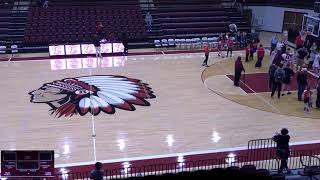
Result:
<point x="302" y="80"/>
<point x="97" y="174"/>
<point x="282" y="149"/>
<point x="97" y="45"/>
<point x="287" y="79"/>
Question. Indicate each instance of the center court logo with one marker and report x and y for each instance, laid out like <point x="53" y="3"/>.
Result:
<point x="93" y="94"/>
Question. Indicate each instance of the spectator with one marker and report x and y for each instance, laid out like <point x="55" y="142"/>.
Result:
<point x="260" y="53"/>
<point x="97" y="45"/>
<point x="318" y="96"/>
<point x="124" y="40"/>
<point x="302" y="53"/>
<point x="233" y="28"/>
<point x="288" y="58"/>
<point x="238" y="68"/>
<point x="244" y="39"/>
<point x="299" y="42"/>
<point x="312" y="58"/>
<point x="99" y="30"/>
<point x="307" y="99"/>
<point x="253" y="48"/>
<point x="274" y="41"/>
<point x="272" y="56"/>
<point x="238" y="40"/>
<point x="206" y="53"/>
<point x="271" y="71"/>
<point x="316" y="63"/>
<point x="149" y="20"/>
<point x="302" y="80"/>
<point x="278" y="59"/>
<point x="287" y="79"/>
<point x="279" y="75"/>
<point x="282" y="149"/>
<point x="45" y="4"/>
<point x="247" y="53"/>
<point x="220" y="48"/>
<point x="230" y="46"/>
<point x="97" y="174"/>
<point x="280" y="46"/>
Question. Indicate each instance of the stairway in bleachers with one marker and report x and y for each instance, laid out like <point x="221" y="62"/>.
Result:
<point x="237" y="18"/>
<point x="190" y="19"/>
<point x="12" y="22"/>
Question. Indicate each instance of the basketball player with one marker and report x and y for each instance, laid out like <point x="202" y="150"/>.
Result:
<point x="99" y="30"/>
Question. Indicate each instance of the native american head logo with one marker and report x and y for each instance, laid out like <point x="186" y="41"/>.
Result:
<point x="93" y="94"/>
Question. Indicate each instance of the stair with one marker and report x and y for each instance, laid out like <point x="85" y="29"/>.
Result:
<point x="12" y="24"/>
<point x="237" y="18"/>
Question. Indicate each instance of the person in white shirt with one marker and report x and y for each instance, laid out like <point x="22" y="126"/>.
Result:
<point x="288" y="58"/>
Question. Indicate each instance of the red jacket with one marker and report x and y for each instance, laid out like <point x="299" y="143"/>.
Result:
<point x="238" y="67"/>
<point x="299" y="41"/>
<point x="247" y="50"/>
<point x="230" y="42"/>
<point x="206" y="50"/>
<point x="260" y="52"/>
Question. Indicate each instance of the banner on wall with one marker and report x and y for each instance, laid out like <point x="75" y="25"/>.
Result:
<point x="57" y="50"/>
<point x="85" y="49"/>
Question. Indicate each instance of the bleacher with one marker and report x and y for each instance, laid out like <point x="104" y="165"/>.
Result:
<point x="193" y="19"/>
<point x="305" y="4"/>
<point x="75" y="22"/>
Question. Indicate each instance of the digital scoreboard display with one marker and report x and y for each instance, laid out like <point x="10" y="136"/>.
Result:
<point x="27" y="163"/>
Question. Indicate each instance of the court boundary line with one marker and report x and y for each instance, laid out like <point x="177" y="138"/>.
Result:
<point x="254" y="92"/>
<point x="174" y="155"/>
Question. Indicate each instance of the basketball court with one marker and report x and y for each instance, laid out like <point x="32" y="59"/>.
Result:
<point x="135" y="107"/>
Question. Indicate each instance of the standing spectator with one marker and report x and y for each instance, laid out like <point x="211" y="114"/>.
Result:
<point x="247" y="53"/>
<point x="238" y="68"/>
<point x="97" y="45"/>
<point x="279" y="75"/>
<point x="124" y="40"/>
<point x="220" y="48"/>
<point x="318" y="96"/>
<point x="299" y="41"/>
<point x="253" y="48"/>
<point x="244" y="39"/>
<point x="307" y="98"/>
<point x="206" y="53"/>
<point x="272" y="56"/>
<point x="238" y="40"/>
<point x="148" y="20"/>
<point x="278" y="59"/>
<point x="271" y="71"/>
<point x="312" y="58"/>
<point x="302" y="80"/>
<point x="229" y="46"/>
<point x="260" y="53"/>
<point x="316" y="63"/>
<point x="282" y="149"/>
<point x="97" y="174"/>
<point x="302" y="53"/>
<point x="274" y="41"/>
<point x="288" y="58"/>
<point x="287" y="79"/>
<point x="45" y="4"/>
<point x="280" y="46"/>
<point x="99" y="30"/>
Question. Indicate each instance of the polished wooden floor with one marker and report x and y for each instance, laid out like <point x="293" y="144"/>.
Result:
<point x="185" y="116"/>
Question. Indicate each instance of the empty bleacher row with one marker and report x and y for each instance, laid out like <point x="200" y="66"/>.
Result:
<point x="78" y="24"/>
<point x="191" y="19"/>
<point x="308" y="4"/>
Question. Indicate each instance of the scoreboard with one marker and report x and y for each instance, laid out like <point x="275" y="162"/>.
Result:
<point x="27" y="163"/>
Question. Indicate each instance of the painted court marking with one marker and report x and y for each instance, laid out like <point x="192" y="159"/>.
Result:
<point x="173" y="155"/>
